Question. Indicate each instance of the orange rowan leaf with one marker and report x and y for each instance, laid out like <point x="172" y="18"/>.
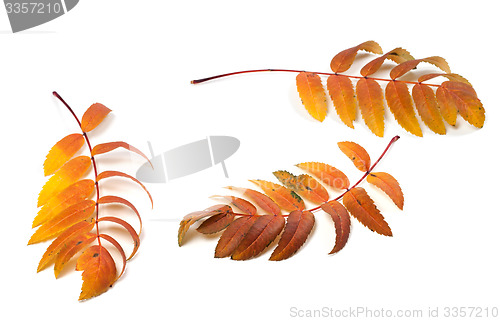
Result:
<point x="93" y="116"/>
<point x="262" y="233"/>
<point x="312" y="94"/>
<point x="401" y="105"/>
<point x="357" y="154"/>
<point x="371" y="103"/>
<point x="344" y="59"/>
<point x="284" y="197"/>
<point x="389" y="185"/>
<point x="342" y="222"/>
<point x="262" y="200"/>
<point x="71" y="195"/>
<point x="406" y="66"/>
<point x="244" y="205"/>
<point x="109" y="199"/>
<point x="327" y="174"/>
<point x="232" y="236"/>
<point x="99" y="271"/>
<point x="68" y="217"/>
<point x="61" y="242"/>
<point x="450" y="76"/>
<point x="71" y="247"/>
<point x="65" y="176"/>
<point x="190" y="218"/>
<point x="304" y="185"/>
<point x="362" y="207"/>
<point x="463" y="97"/>
<point x="107" y="174"/>
<point x="128" y="227"/>
<point x="397" y="55"/>
<point x="120" y="250"/>
<point x="447" y="106"/>
<point x="107" y="147"/>
<point x="342" y="93"/>
<point x="61" y="152"/>
<point x="298" y="226"/>
<point x="427" y="107"/>
<point x="216" y="223"/>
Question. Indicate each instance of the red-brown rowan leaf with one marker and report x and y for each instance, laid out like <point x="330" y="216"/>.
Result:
<point x="99" y="271"/>
<point x="298" y="226"/>
<point x="70" y="216"/>
<point x="357" y="154"/>
<point x="190" y="218"/>
<point x="65" y="176"/>
<point x="93" y="116"/>
<point x="242" y="204"/>
<point x="62" y="152"/>
<point x="371" y="103"/>
<point x="389" y="185"/>
<point x="216" y="223"/>
<point x="344" y="59"/>
<point x="233" y="235"/>
<point x="343" y="96"/>
<point x="312" y="94"/>
<point x="401" y="105"/>
<point x="262" y="233"/>
<point x="427" y="107"/>
<point x="342" y="222"/>
<point x="362" y="207"/>
<point x="284" y="197"/>
<point x="262" y="200"/>
<point x="327" y="174"/>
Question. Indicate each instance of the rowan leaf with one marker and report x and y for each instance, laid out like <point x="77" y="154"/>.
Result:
<point x="232" y="236"/>
<point x="371" y="103"/>
<point x="397" y="55"/>
<point x="133" y="234"/>
<point x="61" y="242"/>
<point x="93" y="116"/>
<point x="342" y="222"/>
<point x="261" y="200"/>
<point x="462" y="97"/>
<point x="427" y="107"/>
<point x="449" y="76"/>
<point x="109" y="199"/>
<point x="401" y="105"/>
<point x="99" y="271"/>
<point x="71" y="247"/>
<point x="362" y="207"/>
<point x="357" y="154"/>
<point x="71" y="195"/>
<point x="65" y="176"/>
<point x="304" y="185"/>
<point x="107" y="174"/>
<point x="70" y="216"/>
<point x="406" y="66"/>
<point x="327" y="174"/>
<point x="107" y="147"/>
<point x="312" y="94"/>
<point x="190" y="218"/>
<point x="298" y="226"/>
<point x="216" y="223"/>
<point x="343" y="96"/>
<point x="242" y="204"/>
<point x="344" y="59"/>
<point x="262" y="233"/>
<point x="61" y="152"/>
<point x="284" y="197"/>
<point x="389" y="185"/>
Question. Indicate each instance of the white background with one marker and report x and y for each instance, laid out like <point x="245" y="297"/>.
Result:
<point x="138" y="58"/>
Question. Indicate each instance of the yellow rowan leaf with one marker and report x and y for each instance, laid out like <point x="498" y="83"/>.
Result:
<point x="61" y="152"/>
<point x="312" y="94"/>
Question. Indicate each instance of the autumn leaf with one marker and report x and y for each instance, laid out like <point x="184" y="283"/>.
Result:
<point x="401" y="105"/>
<point x="243" y="205"/>
<point x="342" y="222"/>
<point x="216" y="223"/>
<point x="327" y="174"/>
<point x="387" y="183"/>
<point x="99" y="271"/>
<point x="261" y="200"/>
<point x="357" y="154"/>
<point x="453" y="95"/>
<point x="428" y="109"/>
<point x="108" y="147"/>
<point x="62" y="152"/>
<point x="284" y="197"/>
<point x="343" y="96"/>
<point x="298" y="226"/>
<point x="233" y="235"/>
<point x="344" y="59"/>
<point x="312" y="94"/>
<point x="304" y="185"/>
<point x="397" y="55"/>
<point x="371" y="104"/>
<point x="191" y="218"/>
<point x="93" y="116"/>
<point x="107" y="174"/>
<point x="406" y="66"/>
<point x="362" y="207"/>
